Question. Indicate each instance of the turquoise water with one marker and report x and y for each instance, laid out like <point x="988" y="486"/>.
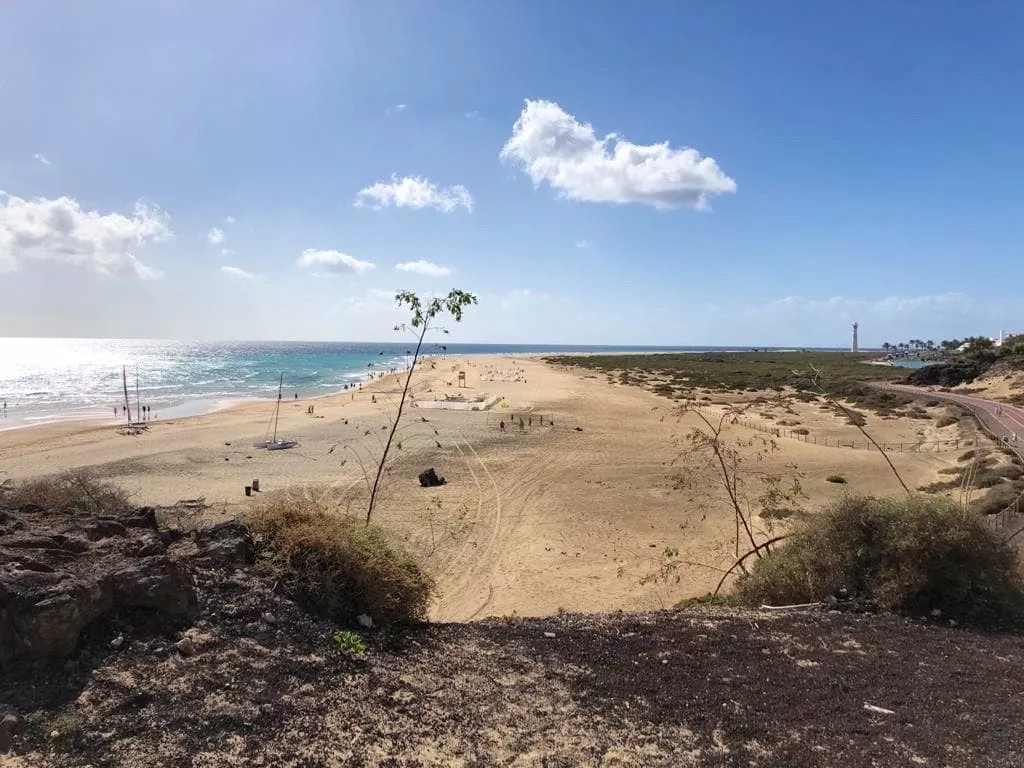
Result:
<point x="61" y="379"/>
<point x="912" y="363"/>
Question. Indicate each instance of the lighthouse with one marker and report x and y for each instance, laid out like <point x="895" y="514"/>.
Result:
<point x="853" y="345"/>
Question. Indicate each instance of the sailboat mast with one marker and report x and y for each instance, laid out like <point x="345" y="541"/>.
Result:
<point x="277" y="411"/>
<point x="138" y="408"/>
<point x="127" y="404"/>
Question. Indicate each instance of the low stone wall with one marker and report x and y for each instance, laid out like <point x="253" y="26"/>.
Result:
<point x="459" y="405"/>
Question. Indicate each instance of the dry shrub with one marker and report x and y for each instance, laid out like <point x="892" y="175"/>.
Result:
<point x="68" y="492"/>
<point x="916" y="555"/>
<point x="946" y="421"/>
<point x="986" y="479"/>
<point x="997" y="499"/>
<point x="1011" y="471"/>
<point x="336" y="564"/>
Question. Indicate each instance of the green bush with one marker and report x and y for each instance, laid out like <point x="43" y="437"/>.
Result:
<point x="337" y="565"/>
<point x="916" y="555"/>
<point x="349" y="641"/>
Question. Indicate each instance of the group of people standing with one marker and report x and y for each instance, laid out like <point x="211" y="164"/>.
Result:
<point x="523" y="425"/>
<point x="145" y="415"/>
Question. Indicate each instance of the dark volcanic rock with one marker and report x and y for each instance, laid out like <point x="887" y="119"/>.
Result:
<point x="225" y="545"/>
<point x="429" y="479"/>
<point x="61" y="571"/>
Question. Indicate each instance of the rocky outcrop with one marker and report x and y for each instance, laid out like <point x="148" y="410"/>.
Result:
<point x="62" y="570"/>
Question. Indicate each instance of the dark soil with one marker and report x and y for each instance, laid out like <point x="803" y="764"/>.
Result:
<point x="694" y="687"/>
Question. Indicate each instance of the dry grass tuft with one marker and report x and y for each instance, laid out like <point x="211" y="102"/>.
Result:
<point x="68" y="492"/>
<point x="917" y="555"/>
<point x="337" y="565"/>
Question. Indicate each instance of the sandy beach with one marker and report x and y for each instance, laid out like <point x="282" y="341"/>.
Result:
<point x="573" y="510"/>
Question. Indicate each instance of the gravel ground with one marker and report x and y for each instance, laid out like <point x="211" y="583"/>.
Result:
<point x="263" y="683"/>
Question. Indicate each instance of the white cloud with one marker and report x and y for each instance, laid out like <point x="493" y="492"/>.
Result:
<point x="59" y="230"/>
<point x="215" y="236"/>
<point x="237" y="273"/>
<point x="583" y="244"/>
<point x="229" y="219"/>
<point x="423" y="267"/>
<point x="521" y="297"/>
<point x="552" y="146"/>
<point x="227" y="252"/>
<point x="333" y="262"/>
<point x="850" y="309"/>
<point x="42" y="159"/>
<point x="474" y="115"/>
<point x="374" y="301"/>
<point x="396" y="109"/>
<point x="415" y="192"/>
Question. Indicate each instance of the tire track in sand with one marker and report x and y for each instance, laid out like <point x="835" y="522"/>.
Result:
<point x="463" y="579"/>
<point x="465" y="598"/>
<point x="463" y="550"/>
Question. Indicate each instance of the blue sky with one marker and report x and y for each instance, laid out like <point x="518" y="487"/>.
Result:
<point x="658" y="173"/>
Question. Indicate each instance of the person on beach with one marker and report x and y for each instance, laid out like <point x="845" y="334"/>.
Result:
<point x="501" y="425"/>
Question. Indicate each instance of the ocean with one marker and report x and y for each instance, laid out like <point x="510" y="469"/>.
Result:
<point x="45" y="380"/>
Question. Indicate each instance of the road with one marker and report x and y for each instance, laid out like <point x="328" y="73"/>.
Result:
<point x="1004" y="421"/>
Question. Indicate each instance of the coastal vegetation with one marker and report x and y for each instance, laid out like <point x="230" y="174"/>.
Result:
<point x="79" y="491"/>
<point x="682" y="376"/>
<point x="918" y="554"/>
<point x="922" y="555"/>
<point x="337" y="565"/>
<point x="739" y="371"/>
<point x="964" y="361"/>
<point x="970" y="348"/>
